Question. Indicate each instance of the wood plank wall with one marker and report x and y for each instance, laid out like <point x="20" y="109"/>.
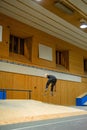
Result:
<point x="66" y="91"/>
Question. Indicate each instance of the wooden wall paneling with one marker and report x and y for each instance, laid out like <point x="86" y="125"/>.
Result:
<point x="76" y="62"/>
<point x="20" y="83"/>
<point x="83" y="88"/>
<point x="4" y="46"/>
<point x="1" y="79"/>
<point x="9" y="80"/>
<point x="64" y="93"/>
<point x="74" y="90"/>
<point x="6" y="79"/>
<point x="34" y="50"/>
<point x="71" y="93"/>
<point x="34" y="88"/>
<point x="3" y="51"/>
<point x="28" y="82"/>
<point x="37" y="88"/>
<point x="51" y="99"/>
<point x="84" y="80"/>
<point x="40" y="88"/>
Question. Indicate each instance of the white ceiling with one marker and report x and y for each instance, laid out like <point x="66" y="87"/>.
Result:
<point x="31" y="13"/>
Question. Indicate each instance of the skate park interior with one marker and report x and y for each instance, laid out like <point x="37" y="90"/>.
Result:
<point x="33" y="44"/>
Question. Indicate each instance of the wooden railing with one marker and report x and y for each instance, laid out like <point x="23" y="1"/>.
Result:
<point x="19" y="90"/>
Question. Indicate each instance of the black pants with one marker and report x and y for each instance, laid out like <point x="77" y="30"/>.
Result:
<point x="52" y="82"/>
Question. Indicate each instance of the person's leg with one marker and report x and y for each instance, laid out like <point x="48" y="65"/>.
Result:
<point x="52" y="86"/>
<point x="47" y="85"/>
<point x="55" y="85"/>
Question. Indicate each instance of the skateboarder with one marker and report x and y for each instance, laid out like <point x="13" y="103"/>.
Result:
<point x="51" y="80"/>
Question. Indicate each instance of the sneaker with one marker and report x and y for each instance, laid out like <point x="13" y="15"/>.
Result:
<point x="45" y="92"/>
<point x="51" y="93"/>
<point x="45" y="89"/>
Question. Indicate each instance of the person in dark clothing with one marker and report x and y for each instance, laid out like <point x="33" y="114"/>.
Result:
<point x="51" y="80"/>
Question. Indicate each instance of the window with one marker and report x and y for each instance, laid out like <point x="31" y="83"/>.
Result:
<point x="85" y="65"/>
<point x="21" y="46"/>
<point x="62" y="58"/>
<point x="16" y="45"/>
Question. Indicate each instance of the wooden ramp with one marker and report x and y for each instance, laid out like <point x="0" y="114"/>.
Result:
<point x="16" y="111"/>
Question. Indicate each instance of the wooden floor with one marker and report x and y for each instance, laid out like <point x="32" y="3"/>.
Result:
<point x="15" y="111"/>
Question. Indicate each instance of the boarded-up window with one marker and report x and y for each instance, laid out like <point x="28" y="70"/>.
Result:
<point x="45" y="52"/>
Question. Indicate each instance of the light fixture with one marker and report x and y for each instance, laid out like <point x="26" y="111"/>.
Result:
<point x="83" y="23"/>
<point x="62" y="6"/>
<point x="38" y="0"/>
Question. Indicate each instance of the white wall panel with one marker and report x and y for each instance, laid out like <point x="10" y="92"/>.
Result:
<point x="31" y="70"/>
